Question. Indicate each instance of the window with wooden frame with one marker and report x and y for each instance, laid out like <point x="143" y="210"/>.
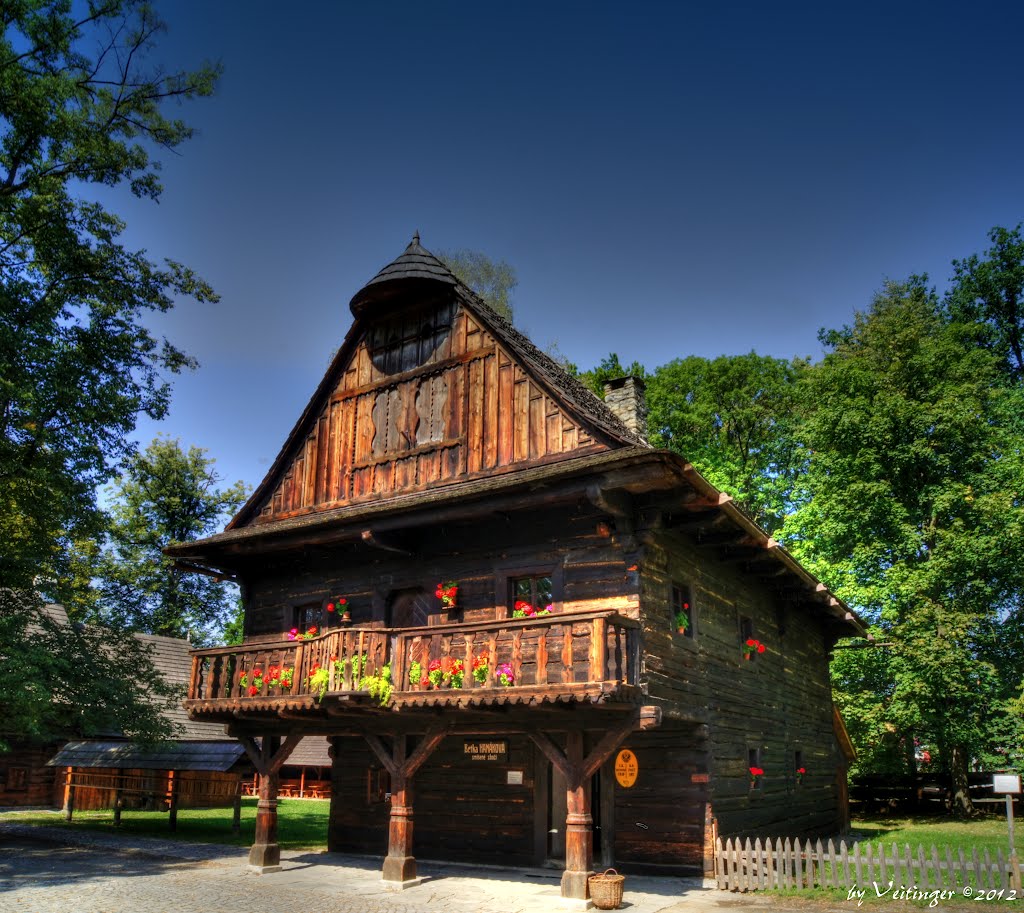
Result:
<point x="531" y="594"/>
<point x="17" y="778"/>
<point x="746" y="629"/>
<point x="683" y="616"/>
<point x="537" y="587"/>
<point x="406" y="340"/>
<point x="378" y="785"/>
<point x="310" y="615"/>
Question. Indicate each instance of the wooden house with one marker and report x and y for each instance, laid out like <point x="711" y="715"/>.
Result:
<point x="511" y="616"/>
<point x="199" y="768"/>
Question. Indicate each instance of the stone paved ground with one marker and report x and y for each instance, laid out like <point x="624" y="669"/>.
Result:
<point x="54" y="870"/>
<point x="100" y="873"/>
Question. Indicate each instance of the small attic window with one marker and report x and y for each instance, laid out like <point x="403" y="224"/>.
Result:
<point x="407" y="339"/>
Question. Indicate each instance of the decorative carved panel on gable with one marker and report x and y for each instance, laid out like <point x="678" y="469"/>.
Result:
<point x="428" y="398"/>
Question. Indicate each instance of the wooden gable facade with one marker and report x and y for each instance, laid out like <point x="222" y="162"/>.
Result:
<point x="552" y="706"/>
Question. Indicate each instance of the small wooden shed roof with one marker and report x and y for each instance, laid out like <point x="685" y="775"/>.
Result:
<point x="219" y="756"/>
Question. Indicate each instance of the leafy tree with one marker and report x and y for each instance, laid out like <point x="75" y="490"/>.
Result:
<point x="63" y="681"/>
<point x="78" y="107"/>
<point x="989" y="292"/>
<point x="166" y="496"/>
<point x="735" y="418"/>
<point x="911" y="512"/>
<point x="610" y="368"/>
<point x="492" y="280"/>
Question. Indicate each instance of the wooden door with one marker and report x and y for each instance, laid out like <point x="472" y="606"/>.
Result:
<point x="411" y="608"/>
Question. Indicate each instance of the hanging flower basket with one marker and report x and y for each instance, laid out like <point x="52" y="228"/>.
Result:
<point x="606" y="889"/>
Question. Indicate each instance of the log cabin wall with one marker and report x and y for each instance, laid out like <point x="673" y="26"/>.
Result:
<point x="769" y="708"/>
<point x="658" y="822"/>
<point x="463" y="810"/>
<point x="590" y="571"/>
<point x="428" y="398"/>
<point x="24" y="777"/>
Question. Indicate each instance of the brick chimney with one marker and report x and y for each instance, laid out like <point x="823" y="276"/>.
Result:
<point x="625" y="397"/>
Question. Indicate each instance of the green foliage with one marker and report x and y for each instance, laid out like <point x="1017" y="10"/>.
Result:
<point x="910" y="511"/>
<point x="77" y="108"/>
<point x="609" y="369"/>
<point x="492" y="280"/>
<point x="736" y="418"/>
<point x="378" y="685"/>
<point x="63" y="681"/>
<point x="166" y="496"/>
<point x="989" y="293"/>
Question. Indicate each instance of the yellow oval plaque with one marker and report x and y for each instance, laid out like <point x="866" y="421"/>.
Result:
<point x="626" y="768"/>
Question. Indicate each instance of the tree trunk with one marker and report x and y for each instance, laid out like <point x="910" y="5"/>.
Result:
<point x="961" y="800"/>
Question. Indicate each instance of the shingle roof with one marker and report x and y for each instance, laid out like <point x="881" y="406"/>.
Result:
<point x="172" y="660"/>
<point x="415" y="262"/>
<point x="312" y="751"/>
<point x="221" y="755"/>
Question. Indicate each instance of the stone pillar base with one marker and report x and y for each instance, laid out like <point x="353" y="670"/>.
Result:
<point x="265" y="857"/>
<point x="399" y="869"/>
<point x="402" y="885"/>
<point x="574" y="885"/>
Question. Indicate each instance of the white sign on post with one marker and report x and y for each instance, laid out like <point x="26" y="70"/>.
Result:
<point x="1005" y="783"/>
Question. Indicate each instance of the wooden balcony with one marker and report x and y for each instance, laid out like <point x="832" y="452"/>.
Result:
<point x="590" y="657"/>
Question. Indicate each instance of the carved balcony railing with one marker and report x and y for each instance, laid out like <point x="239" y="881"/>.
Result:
<point x="549" y="657"/>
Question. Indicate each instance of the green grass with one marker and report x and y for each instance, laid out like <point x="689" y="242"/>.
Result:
<point x="301" y="823"/>
<point x="988" y="832"/>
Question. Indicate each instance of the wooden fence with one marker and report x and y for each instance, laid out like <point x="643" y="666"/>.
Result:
<point x="884" y="872"/>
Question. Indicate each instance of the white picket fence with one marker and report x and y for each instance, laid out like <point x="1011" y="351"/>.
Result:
<point x="757" y="866"/>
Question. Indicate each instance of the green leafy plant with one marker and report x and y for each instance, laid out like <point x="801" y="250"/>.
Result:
<point x="416" y="676"/>
<point x="481" y="668"/>
<point x="318" y="679"/>
<point x="682" y="621"/>
<point x="379" y="685"/>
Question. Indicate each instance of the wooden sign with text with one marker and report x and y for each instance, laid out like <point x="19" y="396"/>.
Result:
<point x="485" y="751"/>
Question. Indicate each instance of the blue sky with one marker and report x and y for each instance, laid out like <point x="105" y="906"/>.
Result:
<point x="666" y="178"/>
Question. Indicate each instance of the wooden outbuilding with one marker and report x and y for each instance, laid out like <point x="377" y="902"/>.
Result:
<point x="528" y="636"/>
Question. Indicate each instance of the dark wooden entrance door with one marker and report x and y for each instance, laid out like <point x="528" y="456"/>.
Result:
<point x="601" y="804"/>
<point x="410" y="608"/>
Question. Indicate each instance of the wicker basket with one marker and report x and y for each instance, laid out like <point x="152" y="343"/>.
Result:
<point x="606" y="889"/>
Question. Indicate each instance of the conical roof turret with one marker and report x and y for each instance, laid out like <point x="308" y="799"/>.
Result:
<point x="417" y="269"/>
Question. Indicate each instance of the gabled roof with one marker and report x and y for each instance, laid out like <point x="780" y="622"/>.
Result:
<point x="417" y="270"/>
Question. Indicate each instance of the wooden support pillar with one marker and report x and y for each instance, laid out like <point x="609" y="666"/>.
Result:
<point x="400" y="865"/>
<point x="172" y="796"/>
<point x="265" y="853"/>
<point x="69" y="794"/>
<point x="268" y="757"/>
<point x="236" y="812"/>
<point x="578" y="769"/>
<point x="579" y="823"/>
<point x="118" y="798"/>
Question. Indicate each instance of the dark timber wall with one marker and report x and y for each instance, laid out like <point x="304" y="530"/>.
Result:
<point x="719" y="707"/>
<point x="774" y="705"/>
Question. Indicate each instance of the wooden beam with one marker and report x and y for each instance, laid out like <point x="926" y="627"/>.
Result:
<point x="375" y="540"/>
